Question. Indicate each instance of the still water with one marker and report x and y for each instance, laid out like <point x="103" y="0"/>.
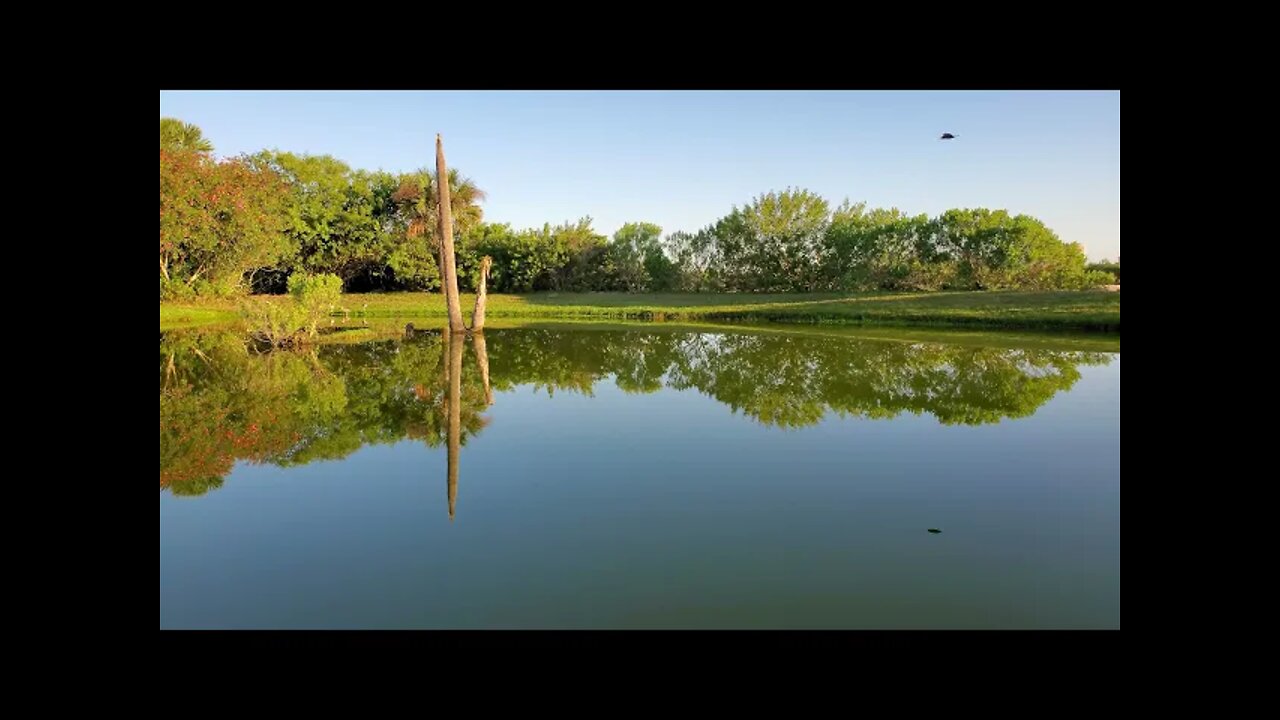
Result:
<point x="640" y="477"/>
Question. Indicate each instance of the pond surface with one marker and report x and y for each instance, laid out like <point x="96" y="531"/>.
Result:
<point x="642" y="477"/>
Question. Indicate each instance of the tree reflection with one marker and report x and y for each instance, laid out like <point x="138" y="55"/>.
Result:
<point x="454" y="342"/>
<point x="221" y="402"/>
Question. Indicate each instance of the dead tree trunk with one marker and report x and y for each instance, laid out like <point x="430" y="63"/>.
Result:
<point x="448" y="269"/>
<point x="477" y="315"/>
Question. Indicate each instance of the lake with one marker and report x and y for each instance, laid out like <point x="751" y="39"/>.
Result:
<point x="641" y="476"/>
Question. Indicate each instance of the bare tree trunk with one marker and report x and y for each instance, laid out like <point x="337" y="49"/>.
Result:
<point x="449" y="269"/>
<point x="455" y="415"/>
<point x="482" y="359"/>
<point x="477" y="315"/>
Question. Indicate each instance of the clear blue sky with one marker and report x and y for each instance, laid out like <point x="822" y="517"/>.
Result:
<point x="682" y="159"/>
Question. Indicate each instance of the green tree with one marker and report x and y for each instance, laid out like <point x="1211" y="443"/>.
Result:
<point x="775" y="243"/>
<point x="177" y="135"/>
<point x="218" y="221"/>
<point x="981" y="243"/>
<point x="638" y="260"/>
<point x="627" y="255"/>
<point x="582" y="254"/>
<point x="873" y="249"/>
<point x="339" y="220"/>
<point x="1041" y="261"/>
<point x="414" y="262"/>
<point x="695" y="261"/>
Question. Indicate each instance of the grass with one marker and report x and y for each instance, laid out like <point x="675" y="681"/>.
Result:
<point x="1062" y="310"/>
<point x="173" y="317"/>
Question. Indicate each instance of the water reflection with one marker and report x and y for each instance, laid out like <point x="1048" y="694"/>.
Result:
<point x="220" y="401"/>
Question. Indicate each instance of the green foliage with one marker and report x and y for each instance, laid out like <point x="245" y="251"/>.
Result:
<point x="413" y="266"/>
<point x="694" y="262"/>
<point x="566" y="257"/>
<point x="773" y="244"/>
<point x="177" y="135"/>
<point x="1109" y="270"/>
<point x="1094" y="278"/>
<point x="518" y="257"/>
<point x="275" y="324"/>
<point x="586" y="256"/>
<point x="254" y="221"/>
<point x="878" y="250"/>
<point x="218" y="221"/>
<point x="317" y="295"/>
<point x="295" y="320"/>
<point x="635" y="249"/>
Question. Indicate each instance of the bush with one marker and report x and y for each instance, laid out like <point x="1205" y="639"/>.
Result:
<point x="278" y="324"/>
<point x="315" y="295"/>
<point x="283" y="323"/>
<point x="1111" y="269"/>
<point x="176" y="290"/>
<point x="1094" y="278"/>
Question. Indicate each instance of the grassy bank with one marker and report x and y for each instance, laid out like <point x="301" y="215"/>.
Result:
<point x="179" y="316"/>
<point x="1087" y="311"/>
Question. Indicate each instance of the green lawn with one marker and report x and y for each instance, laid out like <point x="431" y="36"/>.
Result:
<point x="1089" y="310"/>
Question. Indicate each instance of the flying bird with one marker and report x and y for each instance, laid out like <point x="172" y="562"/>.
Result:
<point x="947" y="136"/>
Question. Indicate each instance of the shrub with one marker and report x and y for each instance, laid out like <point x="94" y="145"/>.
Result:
<point x="1111" y="269"/>
<point x="315" y="295"/>
<point x="278" y="324"/>
<point x="1094" y="278"/>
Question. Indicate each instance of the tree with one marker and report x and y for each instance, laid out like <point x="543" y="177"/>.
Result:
<point x="177" y="135"/>
<point x="449" y="268"/>
<point x="1040" y="260"/>
<point x="981" y="243"/>
<point x="577" y="256"/>
<point x="417" y="199"/>
<point x="218" y="221"/>
<point x="477" y="315"/>
<point x="336" y="217"/>
<point x="696" y="261"/>
<point x="638" y="260"/>
<point x="873" y="250"/>
<point x="775" y="243"/>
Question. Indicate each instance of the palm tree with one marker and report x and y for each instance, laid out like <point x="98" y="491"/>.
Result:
<point x="418" y="198"/>
<point x="177" y="135"/>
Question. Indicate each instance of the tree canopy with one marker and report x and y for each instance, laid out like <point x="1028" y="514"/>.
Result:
<point x="249" y="222"/>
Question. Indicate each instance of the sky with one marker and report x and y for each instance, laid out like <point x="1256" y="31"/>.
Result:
<point x="683" y="159"/>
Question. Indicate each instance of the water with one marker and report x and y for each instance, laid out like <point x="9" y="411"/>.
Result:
<point x="646" y="477"/>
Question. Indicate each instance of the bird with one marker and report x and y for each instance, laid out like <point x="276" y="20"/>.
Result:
<point x="947" y="136"/>
<point x="935" y="531"/>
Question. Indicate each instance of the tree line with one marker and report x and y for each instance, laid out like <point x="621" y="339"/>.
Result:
<point x="247" y="223"/>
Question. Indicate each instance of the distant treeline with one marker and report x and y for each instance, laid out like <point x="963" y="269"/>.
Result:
<point x="1108" y="268"/>
<point x="247" y="223"/>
